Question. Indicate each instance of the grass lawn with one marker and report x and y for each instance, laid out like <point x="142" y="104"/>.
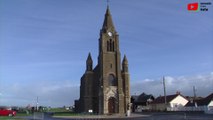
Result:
<point x="62" y="112"/>
<point x="57" y="110"/>
<point x="65" y="114"/>
<point x="22" y="114"/>
<point x="9" y="118"/>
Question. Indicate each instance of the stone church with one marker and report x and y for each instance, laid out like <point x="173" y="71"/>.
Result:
<point x="105" y="88"/>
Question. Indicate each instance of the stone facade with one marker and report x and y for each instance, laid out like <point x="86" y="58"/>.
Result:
<point x="105" y="89"/>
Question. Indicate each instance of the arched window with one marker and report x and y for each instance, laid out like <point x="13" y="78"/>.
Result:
<point x="110" y="45"/>
<point x="113" y="47"/>
<point x="112" y="80"/>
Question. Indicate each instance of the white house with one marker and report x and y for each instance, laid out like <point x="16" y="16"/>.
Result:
<point x="174" y="103"/>
<point x="209" y="109"/>
<point x="205" y="104"/>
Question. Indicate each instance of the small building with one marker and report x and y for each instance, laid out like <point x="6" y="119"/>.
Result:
<point x="141" y="102"/>
<point x="204" y="104"/>
<point x="173" y="103"/>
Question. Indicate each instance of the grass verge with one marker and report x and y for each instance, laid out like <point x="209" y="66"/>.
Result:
<point x="9" y="118"/>
<point x="65" y="114"/>
<point x="23" y="114"/>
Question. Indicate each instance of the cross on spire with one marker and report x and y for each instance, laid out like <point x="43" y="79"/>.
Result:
<point x="107" y="2"/>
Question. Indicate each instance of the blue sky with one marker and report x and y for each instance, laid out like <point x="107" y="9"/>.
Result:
<point x="44" y="45"/>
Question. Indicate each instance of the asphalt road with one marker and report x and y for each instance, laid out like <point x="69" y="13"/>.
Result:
<point x="149" y="116"/>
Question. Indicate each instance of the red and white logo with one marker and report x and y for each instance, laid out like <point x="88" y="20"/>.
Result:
<point x="193" y="6"/>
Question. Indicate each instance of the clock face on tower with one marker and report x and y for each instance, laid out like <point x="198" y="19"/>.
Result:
<point x="110" y="34"/>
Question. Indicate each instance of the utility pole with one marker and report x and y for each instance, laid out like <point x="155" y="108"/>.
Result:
<point x="37" y="104"/>
<point x="164" y="88"/>
<point x="194" y="91"/>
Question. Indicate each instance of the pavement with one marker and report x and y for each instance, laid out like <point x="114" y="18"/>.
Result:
<point x="134" y="116"/>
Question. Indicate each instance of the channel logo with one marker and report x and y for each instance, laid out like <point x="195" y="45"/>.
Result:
<point x="202" y="6"/>
<point x="193" y="7"/>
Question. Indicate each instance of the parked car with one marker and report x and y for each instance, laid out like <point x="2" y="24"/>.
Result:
<point x="5" y="111"/>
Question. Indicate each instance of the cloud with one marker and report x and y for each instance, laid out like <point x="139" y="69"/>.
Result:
<point x="55" y="94"/>
<point x="203" y="84"/>
<point x="60" y="93"/>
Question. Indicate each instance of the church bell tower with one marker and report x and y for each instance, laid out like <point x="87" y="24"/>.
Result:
<point x="105" y="89"/>
<point x="112" y="91"/>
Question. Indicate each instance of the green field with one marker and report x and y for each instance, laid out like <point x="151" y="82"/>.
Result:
<point x="65" y="114"/>
<point x="9" y="118"/>
<point x="61" y="112"/>
<point x="23" y="114"/>
<point x="57" y="110"/>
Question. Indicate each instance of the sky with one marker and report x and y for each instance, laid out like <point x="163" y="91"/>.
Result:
<point x="44" y="45"/>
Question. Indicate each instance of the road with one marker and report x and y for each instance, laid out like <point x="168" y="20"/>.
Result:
<point x="149" y="116"/>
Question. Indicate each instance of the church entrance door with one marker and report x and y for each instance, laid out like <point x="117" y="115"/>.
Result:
<point x="111" y="105"/>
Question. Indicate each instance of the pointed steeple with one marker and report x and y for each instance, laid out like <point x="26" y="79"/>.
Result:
<point x="89" y="58"/>
<point x="125" y="61"/>
<point x="108" y="23"/>
<point x="89" y="63"/>
<point x="125" y="65"/>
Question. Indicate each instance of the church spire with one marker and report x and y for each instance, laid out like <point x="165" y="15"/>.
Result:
<point x="89" y="63"/>
<point x="125" y="61"/>
<point x="108" y="23"/>
<point x="125" y="64"/>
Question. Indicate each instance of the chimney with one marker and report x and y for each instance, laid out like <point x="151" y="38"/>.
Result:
<point x="178" y="92"/>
